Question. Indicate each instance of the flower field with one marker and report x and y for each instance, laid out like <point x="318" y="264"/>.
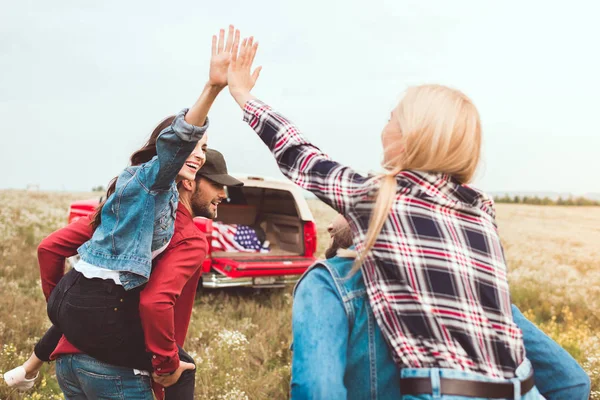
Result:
<point x="240" y="338"/>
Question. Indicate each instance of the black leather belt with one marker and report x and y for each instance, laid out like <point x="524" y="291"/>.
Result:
<point x="467" y="388"/>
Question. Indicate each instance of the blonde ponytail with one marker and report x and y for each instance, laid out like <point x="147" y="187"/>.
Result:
<point x="440" y="132"/>
<point x="381" y="210"/>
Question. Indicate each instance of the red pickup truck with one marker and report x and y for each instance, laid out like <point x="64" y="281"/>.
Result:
<point x="276" y="209"/>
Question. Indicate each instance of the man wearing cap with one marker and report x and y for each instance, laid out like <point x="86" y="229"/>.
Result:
<point x="167" y="300"/>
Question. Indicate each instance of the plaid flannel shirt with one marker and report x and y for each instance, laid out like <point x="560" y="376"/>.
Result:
<point x="436" y="276"/>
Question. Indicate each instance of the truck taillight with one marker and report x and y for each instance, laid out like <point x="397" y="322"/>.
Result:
<point x="80" y="209"/>
<point x="73" y="215"/>
<point x="310" y="239"/>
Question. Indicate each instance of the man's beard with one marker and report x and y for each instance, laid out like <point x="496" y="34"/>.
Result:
<point x="201" y="208"/>
<point x="342" y="239"/>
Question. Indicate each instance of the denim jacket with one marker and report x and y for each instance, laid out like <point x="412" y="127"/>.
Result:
<point x="139" y="217"/>
<point x="340" y="353"/>
<point x="338" y="349"/>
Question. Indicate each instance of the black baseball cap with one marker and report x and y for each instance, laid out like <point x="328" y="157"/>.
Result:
<point x="215" y="169"/>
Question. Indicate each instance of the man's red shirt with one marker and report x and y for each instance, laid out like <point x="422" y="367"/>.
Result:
<point x="166" y="301"/>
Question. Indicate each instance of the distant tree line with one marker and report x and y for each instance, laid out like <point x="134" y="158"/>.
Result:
<point x="546" y="201"/>
<point x="98" y="188"/>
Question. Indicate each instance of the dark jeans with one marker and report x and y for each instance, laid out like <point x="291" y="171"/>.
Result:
<point x="102" y="319"/>
<point x="44" y="348"/>
<point x="184" y="388"/>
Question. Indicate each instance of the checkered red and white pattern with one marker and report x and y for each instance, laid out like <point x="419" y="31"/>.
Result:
<point x="436" y="277"/>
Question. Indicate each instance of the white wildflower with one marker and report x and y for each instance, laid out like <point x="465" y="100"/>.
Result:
<point x="234" y="340"/>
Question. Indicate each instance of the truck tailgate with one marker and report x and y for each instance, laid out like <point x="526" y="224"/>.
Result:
<point x="235" y="267"/>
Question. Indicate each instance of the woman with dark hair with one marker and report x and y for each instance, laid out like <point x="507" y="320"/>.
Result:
<point x="93" y="305"/>
<point x="24" y="377"/>
<point x="145" y="154"/>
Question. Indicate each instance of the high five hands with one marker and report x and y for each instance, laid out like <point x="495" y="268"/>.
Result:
<point x="221" y="56"/>
<point x="240" y="79"/>
<point x="230" y="63"/>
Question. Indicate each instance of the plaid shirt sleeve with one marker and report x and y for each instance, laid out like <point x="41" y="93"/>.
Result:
<point x="303" y="163"/>
<point x="436" y="277"/>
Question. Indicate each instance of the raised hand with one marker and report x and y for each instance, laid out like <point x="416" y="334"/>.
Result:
<point x="217" y="76"/>
<point x="221" y="56"/>
<point x="239" y="78"/>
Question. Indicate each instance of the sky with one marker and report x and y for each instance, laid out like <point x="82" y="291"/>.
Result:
<point x="82" y="84"/>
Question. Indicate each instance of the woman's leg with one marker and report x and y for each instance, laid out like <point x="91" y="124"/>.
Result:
<point x="42" y="351"/>
<point x="46" y="345"/>
<point x="102" y="320"/>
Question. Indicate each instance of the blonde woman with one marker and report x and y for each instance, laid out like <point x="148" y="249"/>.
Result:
<point x="429" y="247"/>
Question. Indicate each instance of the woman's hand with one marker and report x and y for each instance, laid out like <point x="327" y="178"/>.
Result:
<point x="217" y="76"/>
<point x="170" y="380"/>
<point x="239" y="78"/>
<point x="221" y="57"/>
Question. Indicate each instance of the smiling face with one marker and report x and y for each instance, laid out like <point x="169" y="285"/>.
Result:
<point x="206" y="198"/>
<point x="195" y="161"/>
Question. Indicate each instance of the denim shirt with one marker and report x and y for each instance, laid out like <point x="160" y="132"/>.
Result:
<point x="139" y="217"/>
<point x="340" y="353"/>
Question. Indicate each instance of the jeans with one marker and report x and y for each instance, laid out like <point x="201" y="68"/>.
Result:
<point x="436" y="373"/>
<point x="101" y="319"/>
<point x="46" y="345"/>
<point x="82" y="377"/>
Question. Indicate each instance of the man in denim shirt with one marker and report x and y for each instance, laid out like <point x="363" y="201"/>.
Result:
<point x="340" y="353"/>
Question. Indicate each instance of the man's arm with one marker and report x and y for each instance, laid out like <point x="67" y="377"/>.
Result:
<point x="172" y="271"/>
<point x="59" y="245"/>
<point x="320" y="334"/>
<point x="557" y="375"/>
<point x="184" y="307"/>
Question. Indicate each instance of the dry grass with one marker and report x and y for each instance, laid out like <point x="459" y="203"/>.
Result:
<point x="554" y="259"/>
<point x="240" y="338"/>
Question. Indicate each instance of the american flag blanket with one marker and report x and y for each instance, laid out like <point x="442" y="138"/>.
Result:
<point x="236" y="238"/>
